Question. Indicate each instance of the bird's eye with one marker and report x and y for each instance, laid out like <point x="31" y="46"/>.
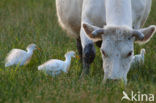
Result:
<point x="104" y="53"/>
<point x="129" y="54"/>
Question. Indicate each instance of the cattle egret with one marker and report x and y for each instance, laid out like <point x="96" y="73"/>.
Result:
<point x="54" y="67"/>
<point x="139" y="59"/>
<point x="20" y="57"/>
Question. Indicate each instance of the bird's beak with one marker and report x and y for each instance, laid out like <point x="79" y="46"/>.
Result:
<point x="38" y="48"/>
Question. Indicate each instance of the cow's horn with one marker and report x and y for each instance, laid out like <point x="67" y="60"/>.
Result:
<point x="98" y="32"/>
<point x="138" y="35"/>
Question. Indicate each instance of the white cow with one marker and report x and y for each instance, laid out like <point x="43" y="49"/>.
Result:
<point x="116" y="23"/>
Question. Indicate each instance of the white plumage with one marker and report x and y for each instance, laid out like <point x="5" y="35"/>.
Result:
<point x="19" y="57"/>
<point x="139" y="59"/>
<point x="54" y="67"/>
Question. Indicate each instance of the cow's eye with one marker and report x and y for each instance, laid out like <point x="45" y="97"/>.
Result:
<point x="129" y="54"/>
<point x="104" y="53"/>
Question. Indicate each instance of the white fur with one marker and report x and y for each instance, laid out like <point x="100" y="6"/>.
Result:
<point x="70" y="12"/>
<point x="106" y="14"/>
<point x="118" y="12"/>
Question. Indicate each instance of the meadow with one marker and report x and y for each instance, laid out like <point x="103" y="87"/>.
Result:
<point x="35" y="21"/>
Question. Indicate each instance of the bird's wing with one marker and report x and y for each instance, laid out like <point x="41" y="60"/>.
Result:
<point x="137" y="58"/>
<point x="54" y="65"/>
<point x="15" y="54"/>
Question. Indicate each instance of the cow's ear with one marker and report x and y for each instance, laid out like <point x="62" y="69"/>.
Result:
<point x="148" y="34"/>
<point x="93" y="32"/>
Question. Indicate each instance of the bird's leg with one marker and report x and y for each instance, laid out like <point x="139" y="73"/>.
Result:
<point x="53" y="74"/>
<point x="57" y="72"/>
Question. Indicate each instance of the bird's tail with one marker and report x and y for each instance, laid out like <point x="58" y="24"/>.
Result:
<point x="7" y="64"/>
<point x="40" y="67"/>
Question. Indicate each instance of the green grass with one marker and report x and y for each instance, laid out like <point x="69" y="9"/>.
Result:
<point x="34" y="21"/>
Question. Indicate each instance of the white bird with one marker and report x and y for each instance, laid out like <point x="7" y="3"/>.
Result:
<point x="139" y="59"/>
<point x="20" y="57"/>
<point x="54" y="67"/>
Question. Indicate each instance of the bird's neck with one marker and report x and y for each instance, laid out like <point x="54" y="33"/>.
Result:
<point x="29" y="51"/>
<point x="67" y="63"/>
<point x="142" y="55"/>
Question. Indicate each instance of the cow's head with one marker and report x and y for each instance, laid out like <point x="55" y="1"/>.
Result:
<point x="117" y="47"/>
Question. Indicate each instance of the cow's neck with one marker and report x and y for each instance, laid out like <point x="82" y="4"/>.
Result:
<point x="118" y="12"/>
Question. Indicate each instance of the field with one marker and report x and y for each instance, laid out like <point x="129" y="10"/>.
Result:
<point x="34" y="21"/>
